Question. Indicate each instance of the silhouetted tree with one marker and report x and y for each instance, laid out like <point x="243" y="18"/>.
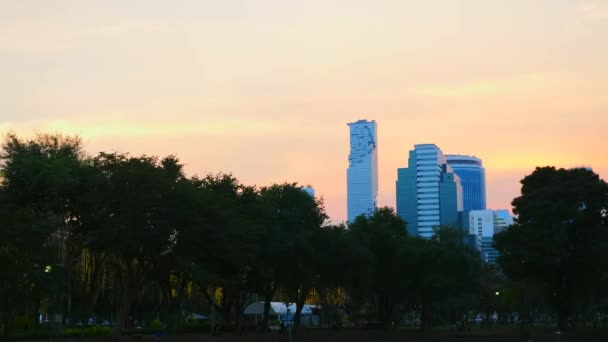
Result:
<point x="560" y="239"/>
<point x="383" y="234"/>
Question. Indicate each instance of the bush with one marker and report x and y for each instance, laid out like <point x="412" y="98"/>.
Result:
<point x="44" y="332"/>
<point x="155" y="324"/>
<point x="20" y="323"/>
<point x="96" y="330"/>
<point x="197" y="326"/>
<point x="141" y="331"/>
<point x="30" y="335"/>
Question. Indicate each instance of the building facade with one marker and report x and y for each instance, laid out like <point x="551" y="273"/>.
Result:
<point x="472" y="178"/>
<point x="484" y="224"/>
<point x="502" y="220"/>
<point x="309" y="190"/>
<point x="429" y="193"/>
<point x="362" y="172"/>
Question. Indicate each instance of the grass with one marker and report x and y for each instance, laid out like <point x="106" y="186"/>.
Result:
<point x="477" y="333"/>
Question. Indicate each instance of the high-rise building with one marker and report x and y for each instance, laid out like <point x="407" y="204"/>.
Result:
<point x="484" y="224"/>
<point x="362" y="172"/>
<point x="429" y="193"/>
<point x="502" y="220"/>
<point x="309" y="190"/>
<point x="472" y="178"/>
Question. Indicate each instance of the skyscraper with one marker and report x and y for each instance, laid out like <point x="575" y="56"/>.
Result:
<point x="362" y="172"/>
<point x="429" y="193"/>
<point x="472" y="178"/>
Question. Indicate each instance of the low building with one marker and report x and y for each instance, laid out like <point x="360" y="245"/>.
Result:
<point x="484" y="224"/>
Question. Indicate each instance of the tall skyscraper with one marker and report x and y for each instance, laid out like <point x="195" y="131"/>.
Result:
<point x="429" y="193"/>
<point x="472" y="178"/>
<point x="362" y="172"/>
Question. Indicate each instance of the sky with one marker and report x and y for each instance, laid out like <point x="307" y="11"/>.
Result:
<point x="264" y="89"/>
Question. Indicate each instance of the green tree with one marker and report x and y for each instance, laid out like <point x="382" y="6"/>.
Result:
<point x="560" y="238"/>
<point x="440" y="273"/>
<point x="39" y="182"/>
<point x="288" y="252"/>
<point x="383" y="234"/>
<point x="221" y="247"/>
<point x="132" y="213"/>
<point x="345" y="270"/>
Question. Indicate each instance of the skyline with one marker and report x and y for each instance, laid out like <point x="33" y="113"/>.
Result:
<point x="515" y="83"/>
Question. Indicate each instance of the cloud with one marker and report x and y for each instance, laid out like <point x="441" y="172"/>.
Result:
<point x="45" y="38"/>
<point x="593" y="11"/>
<point x="108" y="127"/>
<point x="122" y="28"/>
<point x="518" y="84"/>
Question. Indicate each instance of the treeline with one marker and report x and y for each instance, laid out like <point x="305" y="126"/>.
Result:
<point x="120" y="236"/>
<point x="135" y="238"/>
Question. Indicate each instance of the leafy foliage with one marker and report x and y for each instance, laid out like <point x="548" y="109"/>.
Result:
<point x="134" y="239"/>
<point x="560" y="239"/>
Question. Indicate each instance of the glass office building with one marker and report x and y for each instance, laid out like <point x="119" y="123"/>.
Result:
<point x="472" y="178"/>
<point x="484" y="224"/>
<point x="429" y="193"/>
<point x="362" y="172"/>
<point x="309" y="190"/>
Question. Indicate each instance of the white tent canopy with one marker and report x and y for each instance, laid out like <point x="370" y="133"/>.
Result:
<point x="276" y="308"/>
<point x="195" y="316"/>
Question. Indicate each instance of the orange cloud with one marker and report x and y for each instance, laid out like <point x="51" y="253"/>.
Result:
<point x="146" y="128"/>
<point x="518" y="84"/>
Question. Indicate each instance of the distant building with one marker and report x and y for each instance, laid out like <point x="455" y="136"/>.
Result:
<point x="362" y="172"/>
<point x="586" y="167"/>
<point x="309" y="190"/>
<point x="502" y="220"/>
<point x="484" y="224"/>
<point x="472" y="178"/>
<point x="429" y="193"/>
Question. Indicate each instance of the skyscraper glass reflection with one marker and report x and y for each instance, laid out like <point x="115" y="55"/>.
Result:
<point x="362" y="172"/>
<point x="472" y="178"/>
<point x="429" y="193"/>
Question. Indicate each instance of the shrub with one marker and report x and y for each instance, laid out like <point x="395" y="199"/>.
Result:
<point x="156" y="324"/>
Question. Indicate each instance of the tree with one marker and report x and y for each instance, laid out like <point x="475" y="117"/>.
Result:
<point x="345" y="269"/>
<point x="132" y="213"/>
<point x="40" y="181"/>
<point x="440" y="269"/>
<point x="560" y="239"/>
<point x="288" y="254"/>
<point x="383" y="234"/>
<point x="220" y="248"/>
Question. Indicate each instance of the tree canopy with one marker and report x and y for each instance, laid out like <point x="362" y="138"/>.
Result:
<point x="133" y="239"/>
<point x="560" y="239"/>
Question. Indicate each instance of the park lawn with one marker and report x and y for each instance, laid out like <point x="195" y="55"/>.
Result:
<point x="356" y="335"/>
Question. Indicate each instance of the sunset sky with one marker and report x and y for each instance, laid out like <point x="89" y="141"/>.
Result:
<point x="264" y="89"/>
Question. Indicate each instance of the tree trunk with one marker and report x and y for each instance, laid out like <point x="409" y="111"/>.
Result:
<point x="562" y="321"/>
<point x="227" y="304"/>
<point x="300" y="299"/>
<point x="174" y="318"/>
<point x="239" y="305"/>
<point x="384" y="310"/>
<point x="267" y="299"/>
<point x="425" y="315"/>
<point x="323" y="294"/>
<point x="125" y="302"/>
<point x="123" y="314"/>
<point x="3" y="326"/>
